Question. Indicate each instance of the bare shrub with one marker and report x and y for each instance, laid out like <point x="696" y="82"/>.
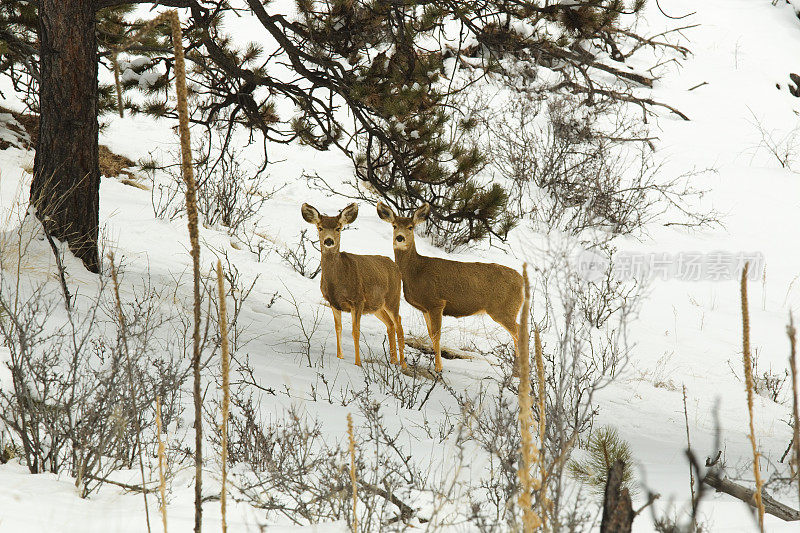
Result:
<point x="227" y="195"/>
<point x="70" y="402"/>
<point x="411" y="388"/>
<point x="238" y="290"/>
<point x="299" y="259"/>
<point x="330" y="391"/>
<point x="576" y="167"/>
<point x="288" y="468"/>
<point x="770" y="384"/>
<point x="784" y="148"/>
<point x="305" y="329"/>
<point x="256" y="242"/>
<point x="767" y="383"/>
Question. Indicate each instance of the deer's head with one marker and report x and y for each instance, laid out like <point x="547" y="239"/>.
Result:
<point x="403" y="236"/>
<point x="329" y="228"/>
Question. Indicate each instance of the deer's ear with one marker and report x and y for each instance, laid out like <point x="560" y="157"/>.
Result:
<point x="421" y="214"/>
<point x="348" y="214"/>
<point x="385" y="212"/>
<point x="310" y="214"/>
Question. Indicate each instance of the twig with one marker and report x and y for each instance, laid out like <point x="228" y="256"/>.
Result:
<point x="162" y="486"/>
<point x="670" y="16"/>
<point x="792" y="333"/>
<point x="124" y="338"/>
<point x="406" y="511"/>
<point x="651" y="499"/>
<point x="60" y="267"/>
<point x="135" y="488"/>
<point x="689" y="451"/>
<point x="623" y="97"/>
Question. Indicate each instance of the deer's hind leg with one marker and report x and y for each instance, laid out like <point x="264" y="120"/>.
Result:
<point x="512" y="326"/>
<point x="386" y="318"/>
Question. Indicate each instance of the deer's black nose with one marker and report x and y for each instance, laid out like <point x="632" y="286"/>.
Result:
<point x="400" y="238"/>
<point x="328" y="242"/>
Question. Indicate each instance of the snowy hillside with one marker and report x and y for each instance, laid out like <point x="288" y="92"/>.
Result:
<point x="741" y="145"/>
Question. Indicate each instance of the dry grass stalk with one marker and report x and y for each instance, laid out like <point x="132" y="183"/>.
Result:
<point x="226" y="390"/>
<point x="129" y="371"/>
<point x="530" y="452"/>
<point x="162" y="460"/>
<point x="191" y="211"/>
<point x="352" y="438"/>
<point x="748" y="375"/>
<point x="544" y="503"/>
<point x="792" y="333"/>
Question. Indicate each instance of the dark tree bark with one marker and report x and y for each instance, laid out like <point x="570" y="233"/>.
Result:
<point x="618" y="513"/>
<point x="66" y="174"/>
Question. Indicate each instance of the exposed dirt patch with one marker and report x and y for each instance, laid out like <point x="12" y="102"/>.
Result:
<point x="25" y="129"/>
<point x="112" y="165"/>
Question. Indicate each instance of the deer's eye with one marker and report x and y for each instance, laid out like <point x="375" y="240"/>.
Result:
<point x="411" y="227"/>
<point x="338" y="229"/>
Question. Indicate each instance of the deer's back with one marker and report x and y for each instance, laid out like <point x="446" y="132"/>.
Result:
<point x="463" y="288"/>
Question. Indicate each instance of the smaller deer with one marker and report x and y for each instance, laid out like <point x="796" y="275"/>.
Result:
<point x="443" y="287"/>
<point x="357" y="284"/>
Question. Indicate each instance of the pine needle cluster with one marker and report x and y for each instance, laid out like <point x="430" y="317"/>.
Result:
<point x="605" y="448"/>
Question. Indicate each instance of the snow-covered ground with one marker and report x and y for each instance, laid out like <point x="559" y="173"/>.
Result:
<point x="688" y="333"/>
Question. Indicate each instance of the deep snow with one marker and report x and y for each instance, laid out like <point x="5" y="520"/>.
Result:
<point x="686" y="333"/>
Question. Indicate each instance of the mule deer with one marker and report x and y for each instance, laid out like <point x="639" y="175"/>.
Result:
<point x="357" y="284"/>
<point x="443" y="287"/>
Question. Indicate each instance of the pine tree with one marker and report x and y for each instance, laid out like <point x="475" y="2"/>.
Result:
<point x="365" y="76"/>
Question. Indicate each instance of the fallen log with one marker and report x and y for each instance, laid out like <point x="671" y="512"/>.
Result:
<point x="771" y="505"/>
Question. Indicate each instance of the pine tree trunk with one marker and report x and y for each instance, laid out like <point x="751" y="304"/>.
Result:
<point x="65" y="188"/>
<point x="618" y="513"/>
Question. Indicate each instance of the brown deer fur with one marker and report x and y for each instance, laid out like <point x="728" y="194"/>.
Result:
<point x="357" y="284"/>
<point x="454" y="288"/>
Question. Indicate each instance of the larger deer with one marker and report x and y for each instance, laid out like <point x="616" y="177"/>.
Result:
<point x="357" y="284"/>
<point x="440" y="287"/>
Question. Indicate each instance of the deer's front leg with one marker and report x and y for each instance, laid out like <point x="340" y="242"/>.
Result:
<point x="436" y="335"/>
<point x="355" y="311"/>
<point x="337" y="324"/>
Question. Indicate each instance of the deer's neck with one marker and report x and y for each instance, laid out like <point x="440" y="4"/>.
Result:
<point x="330" y="262"/>
<point x="408" y="260"/>
<point x="330" y="258"/>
